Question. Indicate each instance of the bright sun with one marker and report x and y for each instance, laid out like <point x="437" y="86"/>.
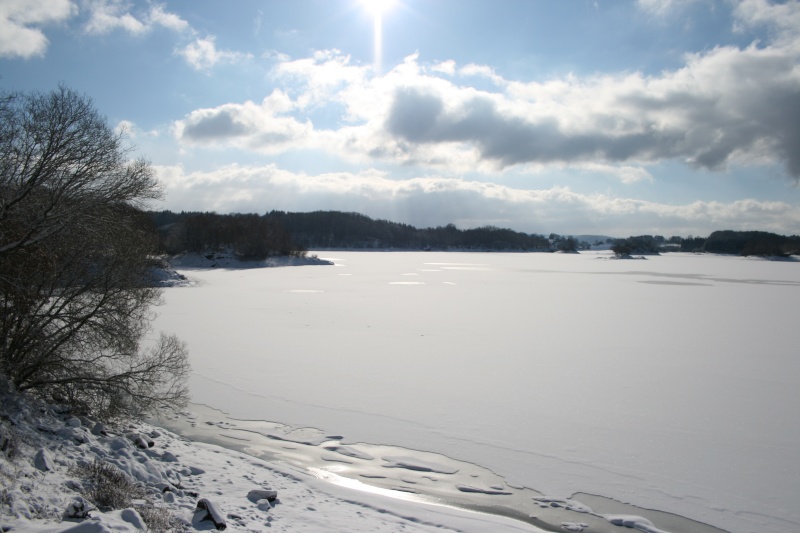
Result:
<point x="377" y="7"/>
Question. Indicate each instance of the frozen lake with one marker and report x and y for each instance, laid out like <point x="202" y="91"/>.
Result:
<point x="669" y="383"/>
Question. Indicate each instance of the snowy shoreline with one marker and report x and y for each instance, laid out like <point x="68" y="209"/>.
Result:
<point x="43" y="485"/>
<point x="402" y="473"/>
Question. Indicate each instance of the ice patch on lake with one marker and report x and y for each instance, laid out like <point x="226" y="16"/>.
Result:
<point x="304" y="291"/>
<point x="478" y="490"/>
<point x="350" y="452"/>
<point x="634" y="522"/>
<point x="412" y="463"/>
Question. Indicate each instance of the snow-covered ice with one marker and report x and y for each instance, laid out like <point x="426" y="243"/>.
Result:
<point x="663" y="383"/>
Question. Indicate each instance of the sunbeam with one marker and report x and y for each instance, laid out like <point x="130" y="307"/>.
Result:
<point x="378" y="8"/>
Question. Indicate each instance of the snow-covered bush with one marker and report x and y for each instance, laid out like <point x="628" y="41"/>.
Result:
<point x="108" y="487"/>
<point x="159" y="519"/>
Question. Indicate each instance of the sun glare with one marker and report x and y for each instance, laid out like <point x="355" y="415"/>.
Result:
<point x="378" y="8"/>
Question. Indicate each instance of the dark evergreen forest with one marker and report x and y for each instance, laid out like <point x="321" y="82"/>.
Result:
<point x="719" y="242"/>
<point x="252" y="236"/>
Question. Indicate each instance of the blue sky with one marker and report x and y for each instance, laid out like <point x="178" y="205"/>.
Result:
<point x="670" y="117"/>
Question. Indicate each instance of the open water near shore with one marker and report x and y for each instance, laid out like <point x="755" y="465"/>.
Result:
<point x="660" y="383"/>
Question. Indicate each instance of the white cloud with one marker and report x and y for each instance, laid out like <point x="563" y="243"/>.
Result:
<point x="106" y="16"/>
<point x="261" y="127"/>
<point x="625" y="173"/>
<point x="166" y="19"/>
<point x="725" y="106"/>
<point x="202" y="54"/>
<point x="482" y="71"/>
<point x="21" y="34"/>
<point x="326" y="76"/>
<point x="445" y="67"/>
<point x="783" y="18"/>
<point x="432" y="201"/>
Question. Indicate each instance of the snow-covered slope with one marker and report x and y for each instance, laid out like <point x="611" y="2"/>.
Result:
<point x="44" y="448"/>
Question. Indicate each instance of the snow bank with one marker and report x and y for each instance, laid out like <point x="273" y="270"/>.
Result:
<point x="43" y="486"/>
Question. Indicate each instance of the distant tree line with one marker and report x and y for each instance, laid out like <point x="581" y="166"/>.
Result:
<point x="249" y="236"/>
<point x="752" y="243"/>
<point x="335" y="229"/>
<point x="720" y="242"/>
<point x="252" y="236"/>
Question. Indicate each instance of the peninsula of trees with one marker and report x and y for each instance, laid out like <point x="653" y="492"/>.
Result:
<point x="719" y="242"/>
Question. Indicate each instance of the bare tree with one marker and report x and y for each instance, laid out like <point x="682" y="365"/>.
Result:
<point x="75" y="296"/>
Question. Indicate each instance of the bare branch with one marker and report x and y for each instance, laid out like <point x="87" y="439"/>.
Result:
<point x="74" y="259"/>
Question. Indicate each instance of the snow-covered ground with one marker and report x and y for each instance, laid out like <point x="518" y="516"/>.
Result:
<point x="43" y="448"/>
<point x="668" y="383"/>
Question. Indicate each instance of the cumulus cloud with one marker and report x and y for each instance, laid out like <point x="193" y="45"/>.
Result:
<point x="326" y="76"/>
<point x="248" y="125"/>
<point x="202" y="54"/>
<point x="482" y="71"/>
<point x="725" y="106"/>
<point x="432" y="201"/>
<point x="21" y="24"/>
<point x="445" y="67"/>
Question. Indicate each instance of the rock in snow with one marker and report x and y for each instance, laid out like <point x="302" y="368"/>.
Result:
<point x="209" y="510"/>
<point x="42" y="461"/>
<point x="262" y="494"/>
<point x="78" y="509"/>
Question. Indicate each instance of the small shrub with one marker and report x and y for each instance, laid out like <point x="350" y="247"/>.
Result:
<point x="5" y="498"/>
<point x="108" y="487"/>
<point x="9" y="441"/>
<point x="159" y="519"/>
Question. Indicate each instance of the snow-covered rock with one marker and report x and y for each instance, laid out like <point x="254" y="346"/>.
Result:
<point x="78" y="509"/>
<point x="256" y="495"/>
<point x="42" y="460"/>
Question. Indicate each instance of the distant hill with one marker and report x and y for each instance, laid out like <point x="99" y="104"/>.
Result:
<point x="591" y="239"/>
<point x="336" y="229"/>
<point x="251" y="236"/>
